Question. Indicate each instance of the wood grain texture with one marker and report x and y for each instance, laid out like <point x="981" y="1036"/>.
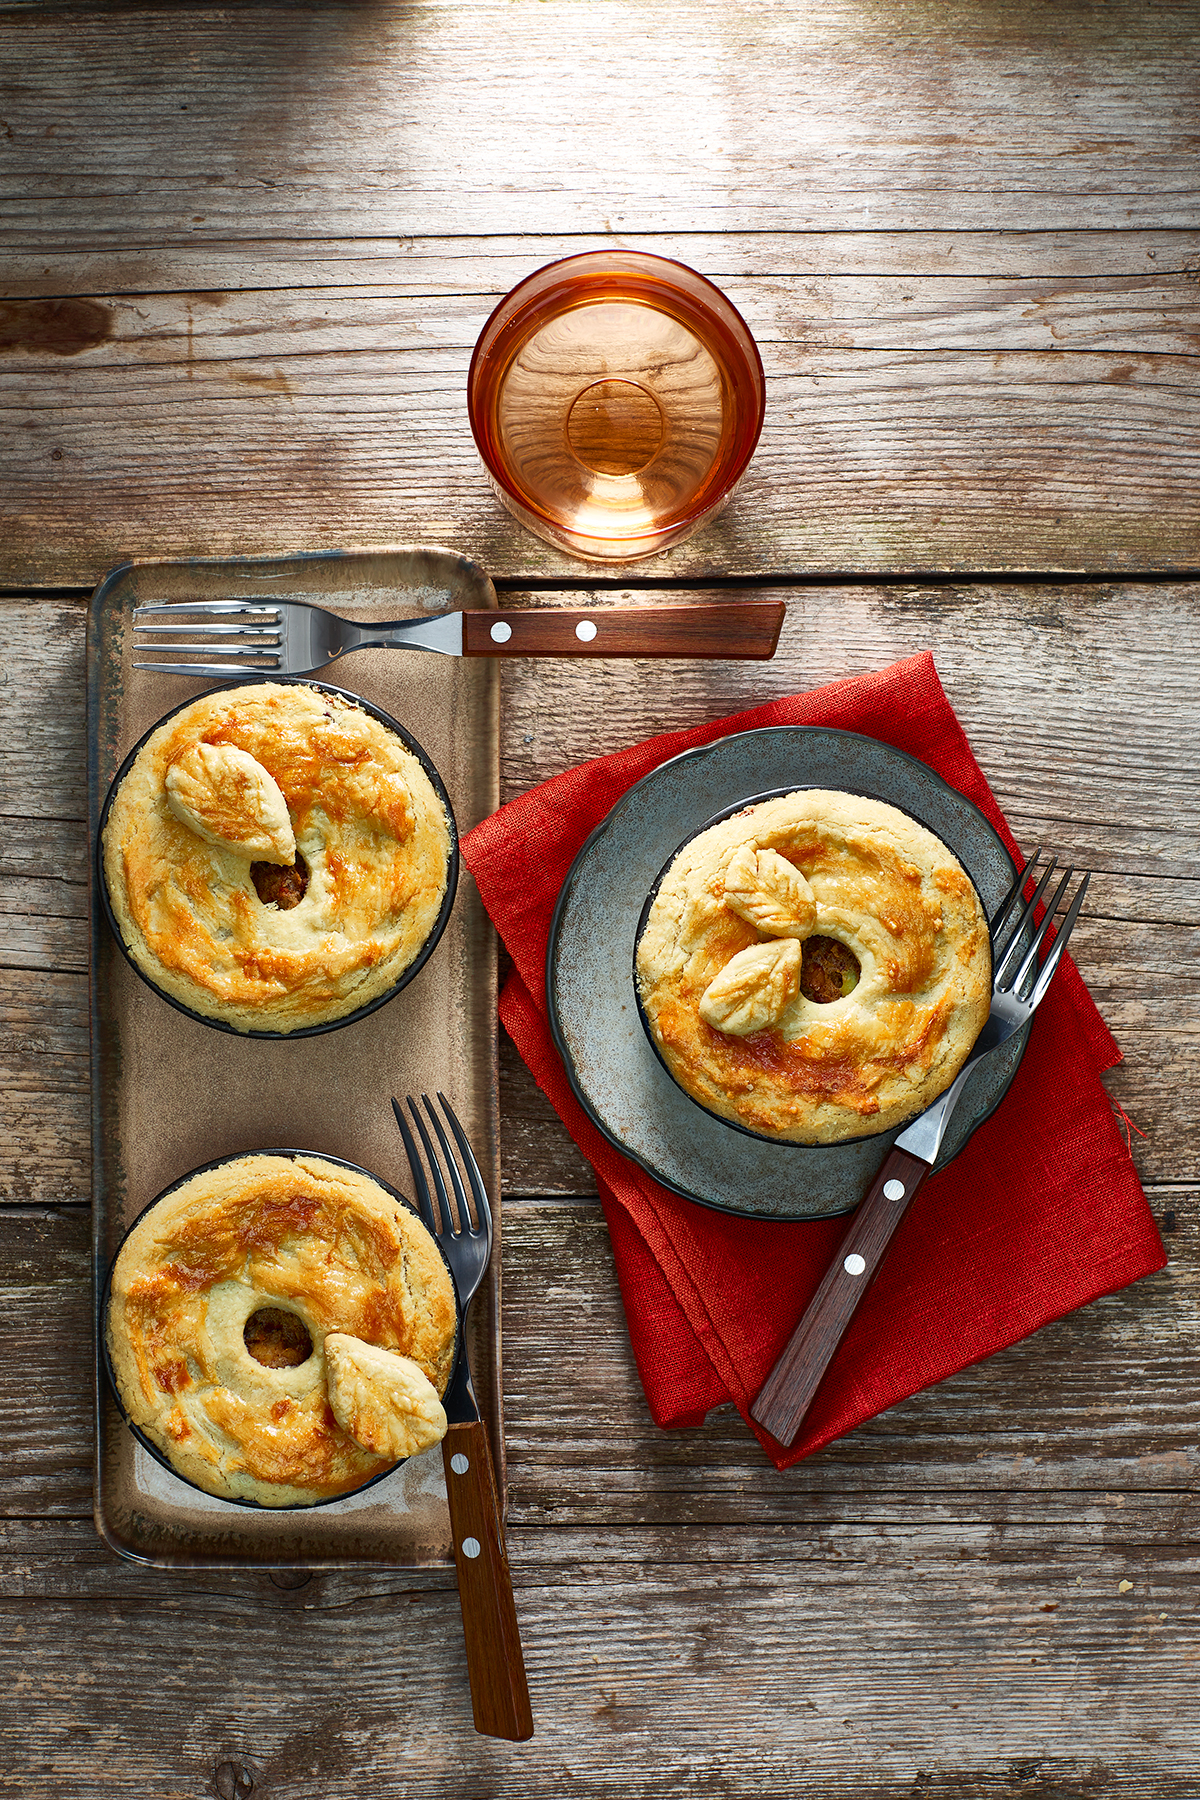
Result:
<point x="394" y="118"/>
<point x="666" y="1661"/>
<point x="911" y="424"/>
<point x="738" y="631"/>
<point x="237" y="321"/>
<point x="1089" y="1417"/>
<point x="684" y="1609"/>
<point x="995" y="262"/>
<point x="1068" y="696"/>
<point x="441" y="305"/>
<point x="245" y="254"/>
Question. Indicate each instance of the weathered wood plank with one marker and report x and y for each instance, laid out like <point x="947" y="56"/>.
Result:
<point x="340" y="431"/>
<point x="1075" y="263"/>
<point x="45" y="922"/>
<point x="309" y="432"/>
<point x="60" y="1560"/>
<point x="772" y="118"/>
<point x="45" y="1113"/>
<point x="1068" y="696"/>
<point x="537" y="1156"/>
<point x="1153" y="312"/>
<point x="1067" y="693"/>
<point x="759" y="1615"/>
<point x="1097" y="1403"/>
<point x="42" y="736"/>
<point x="46" y="1342"/>
<point x="1141" y="978"/>
<point x="45" y="1148"/>
<point x="729" y="1662"/>
<point x="1065" y="1425"/>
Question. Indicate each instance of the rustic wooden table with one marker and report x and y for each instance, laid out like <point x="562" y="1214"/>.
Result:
<point x="247" y="251"/>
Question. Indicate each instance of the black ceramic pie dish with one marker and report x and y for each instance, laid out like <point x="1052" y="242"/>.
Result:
<point x="105" y="1358"/>
<point x="730" y="812"/>
<point x="406" y="975"/>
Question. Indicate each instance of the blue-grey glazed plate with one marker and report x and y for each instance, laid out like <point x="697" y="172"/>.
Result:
<point x="594" y="1012"/>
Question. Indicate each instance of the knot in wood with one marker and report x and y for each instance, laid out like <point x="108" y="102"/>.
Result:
<point x="233" y="1781"/>
<point x="290" y="1578"/>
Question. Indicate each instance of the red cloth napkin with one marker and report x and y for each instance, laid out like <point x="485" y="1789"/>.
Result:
<point x="1040" y="1213"/>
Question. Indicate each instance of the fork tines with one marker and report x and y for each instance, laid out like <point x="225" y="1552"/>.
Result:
<point x="457" y="1220"/>
<point x="1008" y="942"/>
<point x="257" y="629"/>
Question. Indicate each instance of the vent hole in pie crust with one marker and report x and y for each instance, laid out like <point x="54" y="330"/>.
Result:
<point x="277" y="1339"/>
<point x="829" y="970"/>
<point x="278" y="885"/>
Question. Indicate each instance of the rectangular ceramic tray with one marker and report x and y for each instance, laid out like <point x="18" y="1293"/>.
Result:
<point x="169" y="1094"/>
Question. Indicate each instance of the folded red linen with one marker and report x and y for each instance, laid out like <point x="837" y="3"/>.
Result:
<point x="1040" y="1213"/>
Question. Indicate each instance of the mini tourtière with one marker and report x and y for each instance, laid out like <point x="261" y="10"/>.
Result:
<point x="279" y="1329"/>
<point x="813" y="966"/>
<point x="277" y="858"/>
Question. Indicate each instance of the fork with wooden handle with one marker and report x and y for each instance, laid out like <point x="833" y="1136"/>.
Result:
<point x="499" y="1691"/>
<point x="291" y="637"/>
<point x="789" y="1389"/>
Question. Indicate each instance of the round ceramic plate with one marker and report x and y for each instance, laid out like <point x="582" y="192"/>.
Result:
<point x="589" y="969"/>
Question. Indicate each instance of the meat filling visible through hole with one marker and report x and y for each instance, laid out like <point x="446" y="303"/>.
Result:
<point x="278" y="885"/>
<point x="828" y="970"/>
<point x="277" y="1339"/>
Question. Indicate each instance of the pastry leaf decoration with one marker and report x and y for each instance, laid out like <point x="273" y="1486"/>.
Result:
<point x="754" y="988"/>
<point x="767" y="891"/>
<point x="385" y="1401"/>
<point x="227" y="798"/>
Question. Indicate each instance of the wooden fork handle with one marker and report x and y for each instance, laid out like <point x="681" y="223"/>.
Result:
<point x="499" y="1691"/>
<point x="788" y="1391"/>
<point x="739" y="629"/>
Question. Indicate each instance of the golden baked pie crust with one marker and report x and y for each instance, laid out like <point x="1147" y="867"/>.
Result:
<point x="367" y="821"/>
<point x="321" y="1240"/>
<point x="885" y="886"/>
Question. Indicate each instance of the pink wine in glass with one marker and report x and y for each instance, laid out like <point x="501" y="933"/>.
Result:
<point x="616" y="399"/>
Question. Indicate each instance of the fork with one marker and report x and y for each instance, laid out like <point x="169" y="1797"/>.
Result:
<point x="499" y="1691"/>
<point x="788" y="1391"/>
<point x="292" y="637"/>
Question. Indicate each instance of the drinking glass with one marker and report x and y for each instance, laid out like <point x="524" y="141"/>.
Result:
<point x="616" y="399"/>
